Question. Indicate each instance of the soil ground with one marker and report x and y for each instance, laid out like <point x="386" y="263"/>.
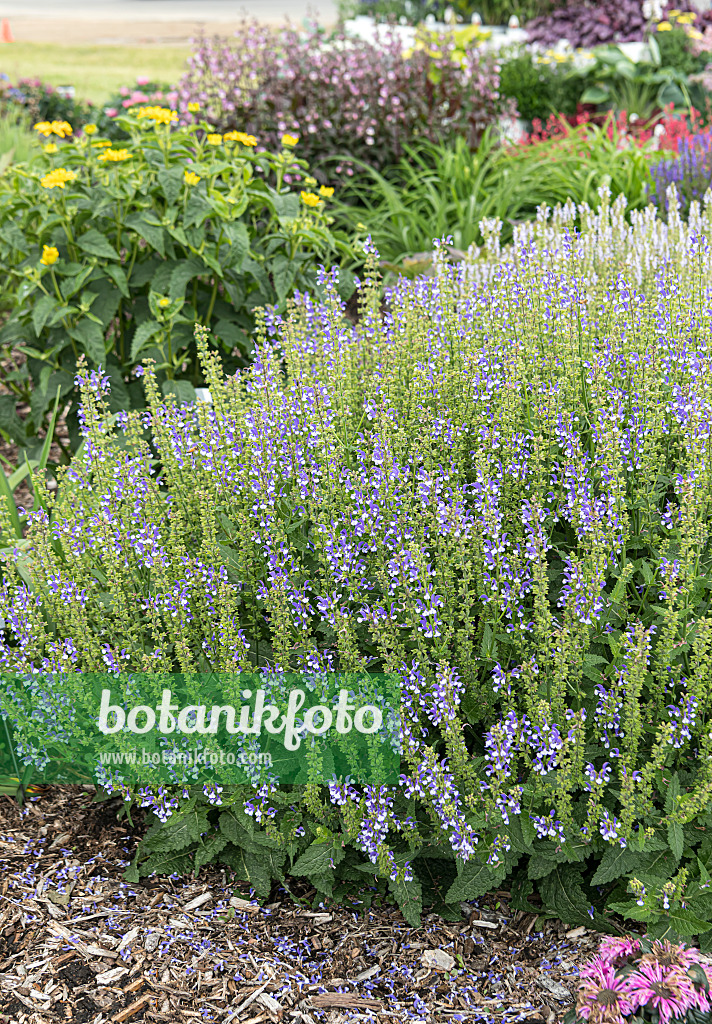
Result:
<point x="79" y="944"/>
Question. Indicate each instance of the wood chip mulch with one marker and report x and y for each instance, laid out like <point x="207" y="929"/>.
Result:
<point x="78" y="944"/>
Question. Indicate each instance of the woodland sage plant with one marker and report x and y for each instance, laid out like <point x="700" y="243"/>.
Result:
<point x="499" y="491"/>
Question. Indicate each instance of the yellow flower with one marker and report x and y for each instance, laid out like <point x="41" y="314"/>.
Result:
<point x="693" y="33"/>
<point x="51" y="147"/>
<point x="49" y="256"/>
<point x="164" y="302"/>
<point x="193" y="108"/>
<point x="246" y="140"/>
<point x="290" y="140"/>
<point x="674" y="14"/>
<point x="90" y="129"/>
<point x="326" y="191"/>
<point x="114" y="156"/>
<point x="191" y="178"/>
<point x="161" y="115"/>
<point x="664" y="26"/>
<point x="46" y="128"/>
<point x="309" y="199"/>
<point x="57" y="178"/>
<point x="214" y="140"/>
<point x="101" y="144"/>
<point x="310" y="181"/>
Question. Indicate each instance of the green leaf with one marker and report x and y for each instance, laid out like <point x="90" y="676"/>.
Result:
<point x="540" y="865"/>
<point x="182" y="389"/>
<point x="475" y="879"/>
<point x="240" y="830"/>
<point x="616" y="863"/>
<point x="118" y="276"/>
<point x="41" y="312"/>
<point x="91" y="338"/>
<point x="179" y="831"/>
<point x="96" y="244"/>
<point x="182" y="274"/>
<point x="685" y="923"/>
<point x="676" y="838"/>
<point x="283" y="274"/>
<point x="10" y="422"/>
<point x="105" y="305"/>
<point x="151" y="233"/>
<point x="142" y="335"/>
<point x="171" y="181"/>
<point x="286" y="206"/>
<point x="239" y="239"/>
<point x="318" y="859"/>
<point x="409" y="897"/>
<point x="196" y="210"/>
<point x="562" y="893"/>
<point x="672" y="793"/>
<point x="595" y="94"/>
<point x="256" y="868"/>
<point x="170" y="862"/>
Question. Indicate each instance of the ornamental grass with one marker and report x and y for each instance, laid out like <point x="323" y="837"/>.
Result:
<point x="499" y="491"/>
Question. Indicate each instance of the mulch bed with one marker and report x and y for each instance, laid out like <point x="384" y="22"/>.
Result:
<point x="79" y="944"/>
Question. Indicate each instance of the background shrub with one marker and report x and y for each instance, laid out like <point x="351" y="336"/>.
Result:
<point x="501" y="492"/>
<point x="114" y="252"/>
<point x="347" y="98"/>
<point x="492" y="12"/>
<point x="438" y="190"/>
<point x="588" y="23"/>
<point x="538" y="88"/>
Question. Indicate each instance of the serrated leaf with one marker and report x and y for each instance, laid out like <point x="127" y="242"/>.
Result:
<point x="151" y="233"/>
<point x="258" y="868"/>
<point x="41" y="311"/>
<point x="240" y="830"/>
<point x="10" y="422"/>
<point x="562" y="894"/>
<point x="179" y="831"/>
<point x="182" y="389"/>
<point x="142" y="335"/>
<point x="676" y="838"/>
<point x="672" y="793"/>
<point x="182" y="274"/>
<point x="209" y="850"/>
<point x="474" y="880"/>
<point x="196" y="210"/>
<point x="238" y="236"/>
<point x="96" y="244"/>
<point x="617" y="862"/>
<point x="171" y="181"/>
<point x="318" y="859"/>
<point x="91" y="337"/>
<point x="118" y="275"/>
<point x="409" y="897"/>
<point x="539" y="866"/>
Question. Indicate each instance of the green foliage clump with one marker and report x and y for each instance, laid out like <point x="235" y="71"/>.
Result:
<point x="114" y="252"/>
<point x="499" y="491"/>
<point x="539" y="87"/>
<point x="438" y="190"/>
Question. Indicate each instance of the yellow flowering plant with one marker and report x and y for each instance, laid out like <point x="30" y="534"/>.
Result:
<point x="139" y="240"/>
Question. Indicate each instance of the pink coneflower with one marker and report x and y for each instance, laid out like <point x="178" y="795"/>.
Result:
<point x="602" y="997"/>
<point x="618" y="948"/>
<point x="669" y="955"/>
<point x="665" y="989"/>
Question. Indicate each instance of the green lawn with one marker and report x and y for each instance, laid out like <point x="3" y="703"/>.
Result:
<point x="96" y="72"/>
